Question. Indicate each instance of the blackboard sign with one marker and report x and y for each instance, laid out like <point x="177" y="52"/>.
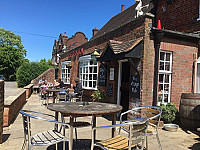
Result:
<point x="135" y="86"/>
<point x="102" y="75"/>
<point x="110" y="90"/>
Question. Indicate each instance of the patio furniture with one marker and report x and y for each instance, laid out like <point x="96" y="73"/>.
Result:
<point x="75" y="97"/>
<point x="81" y="109"/>
<point x="152" y="113"/>
<point x="136" y="136"/>
<point x="49" y="137"/>
<point x="51" y="94"/>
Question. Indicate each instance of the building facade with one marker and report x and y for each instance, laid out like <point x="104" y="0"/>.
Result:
<point x="132" y="58"/>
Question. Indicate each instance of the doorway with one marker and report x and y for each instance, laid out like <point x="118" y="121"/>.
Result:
<point x="124" y="88"/>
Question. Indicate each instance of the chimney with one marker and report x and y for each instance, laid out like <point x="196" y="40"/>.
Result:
<point x="122" y="8"/>
<point x="94" y="31"/>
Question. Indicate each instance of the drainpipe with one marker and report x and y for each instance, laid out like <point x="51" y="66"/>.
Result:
<point x="158" y="34"/>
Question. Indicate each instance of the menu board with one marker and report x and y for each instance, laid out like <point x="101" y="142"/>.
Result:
<point x="102" y="75"/>
<point x="110" y="90"/>
<point x="135" y="86"/>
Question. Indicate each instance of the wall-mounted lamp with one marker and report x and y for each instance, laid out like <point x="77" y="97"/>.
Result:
<point x="95" y="55"/>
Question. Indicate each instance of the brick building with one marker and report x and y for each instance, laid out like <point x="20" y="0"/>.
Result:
<point x="138" y="64"/>
<point x="179" y="15"/>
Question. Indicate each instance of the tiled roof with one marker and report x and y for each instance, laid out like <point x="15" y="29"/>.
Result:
<point x="119" y="47"/>
<point x="122" y="18"/>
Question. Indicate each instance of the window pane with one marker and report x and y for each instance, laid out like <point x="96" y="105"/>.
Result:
<point x="167" y="66"/>
<point x="159" y="97"/>
<point x="94" y="84"/>
<point x="167" y="56"/>
<point x="95" y="69"/>
<point x="166" y="88"/>
<point x="166" y="78"/>
<point x="95" y="77"/>
<point x="91" y="69"/>
<point x="90" y="76"/>
<point x="162" y="54"/>
<point x="90" y="83"/>
<point x="161" y="78"/>
<point x="166" y="98"/>
<point x="160" y="90"/>
<point x="161" y="65"/>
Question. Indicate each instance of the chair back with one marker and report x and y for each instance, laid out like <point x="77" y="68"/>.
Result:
<point x="152" y="113"/>
<point x="137" y="128"/>
<point x="62" y="95"/>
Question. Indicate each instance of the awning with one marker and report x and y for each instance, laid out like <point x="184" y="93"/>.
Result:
<point x="117" y="50"/>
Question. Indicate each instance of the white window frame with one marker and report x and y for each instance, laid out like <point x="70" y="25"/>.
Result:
<point x="65" y="72"/>
<point x="199" y="12"/>
<point x="85" y="65"/>
<point x="165" y="73"/>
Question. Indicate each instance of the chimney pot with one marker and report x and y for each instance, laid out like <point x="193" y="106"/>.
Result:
<point x="122" y="8"/>
<point x="94" y="31"/>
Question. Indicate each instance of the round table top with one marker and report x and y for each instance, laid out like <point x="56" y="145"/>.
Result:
<point x="78" y="109"/>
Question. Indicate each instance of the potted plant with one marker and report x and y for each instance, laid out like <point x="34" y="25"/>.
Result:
<point x="97" y="96"/>
<point x="169" y="115"/>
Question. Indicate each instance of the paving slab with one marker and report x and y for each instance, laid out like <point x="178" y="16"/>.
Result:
<point x="13" y="135"/>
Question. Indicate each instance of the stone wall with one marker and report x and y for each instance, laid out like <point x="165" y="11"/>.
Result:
<point x="1" y="108"/>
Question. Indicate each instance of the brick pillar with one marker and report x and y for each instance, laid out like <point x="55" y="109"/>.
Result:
<point x="1" y="108"/>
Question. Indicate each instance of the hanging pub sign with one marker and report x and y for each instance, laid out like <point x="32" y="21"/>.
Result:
<point x="135" y="86"/>
<point x="102" y="75"/>
<point x="110" y="90"/>
<point x="74" y="53"/>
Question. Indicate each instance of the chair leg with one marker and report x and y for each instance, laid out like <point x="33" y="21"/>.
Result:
<point x="76" y="134"/>
<point x="146" y="143"/>
<point x="63" y="145"/>
<point x="158" y="141"/>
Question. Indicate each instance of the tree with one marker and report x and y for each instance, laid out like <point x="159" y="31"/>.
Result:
<point x="29" y="71"/>
<point x="12" y="54"/>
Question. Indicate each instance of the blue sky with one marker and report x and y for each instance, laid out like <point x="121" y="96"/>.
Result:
<point x="52" y="17"/>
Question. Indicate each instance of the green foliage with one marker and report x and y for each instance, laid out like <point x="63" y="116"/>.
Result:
<point x="12" y="54"/>
<point x="169" y="112"/>
<point x="97" y="96"/>
<point x="29" y="71"/>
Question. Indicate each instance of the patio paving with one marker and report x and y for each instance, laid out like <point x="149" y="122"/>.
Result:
<point x="13" y="135"/>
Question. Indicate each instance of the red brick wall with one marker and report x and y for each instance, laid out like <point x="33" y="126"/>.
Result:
<point x="147" y="67"/>
<point x="182" y="67"/>
<point x="49" y="74"/>
<point x="129" y="31"/>
<point x="180" y="16"/>
<point x="1" y="108"/>
<point x="12" y="106"/>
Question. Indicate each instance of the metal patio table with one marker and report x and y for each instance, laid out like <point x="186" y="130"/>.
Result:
<point x="81" y="109"/>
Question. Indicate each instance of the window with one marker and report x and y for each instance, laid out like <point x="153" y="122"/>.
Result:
<point x="65" y="72"/>
<point x="165" y="71"/>
<point x="199" y="12"/>
<point x="88" y="72"/>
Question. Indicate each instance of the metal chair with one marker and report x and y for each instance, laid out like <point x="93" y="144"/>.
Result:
<point x="136" y="136"/>
<point x="62" y="96"/>
<point x="49" y="137"/>
<point x="152" y="113"/>
<point x="76" y="97"/>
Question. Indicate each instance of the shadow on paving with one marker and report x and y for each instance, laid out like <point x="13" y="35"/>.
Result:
<point x="5" y="137"/>
<point x="80" y="144"/>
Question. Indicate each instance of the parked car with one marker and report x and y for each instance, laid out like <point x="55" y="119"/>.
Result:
<point x="1" y="77"/>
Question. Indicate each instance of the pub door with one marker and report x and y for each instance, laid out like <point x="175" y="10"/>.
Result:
<point x="125" y="77"/>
